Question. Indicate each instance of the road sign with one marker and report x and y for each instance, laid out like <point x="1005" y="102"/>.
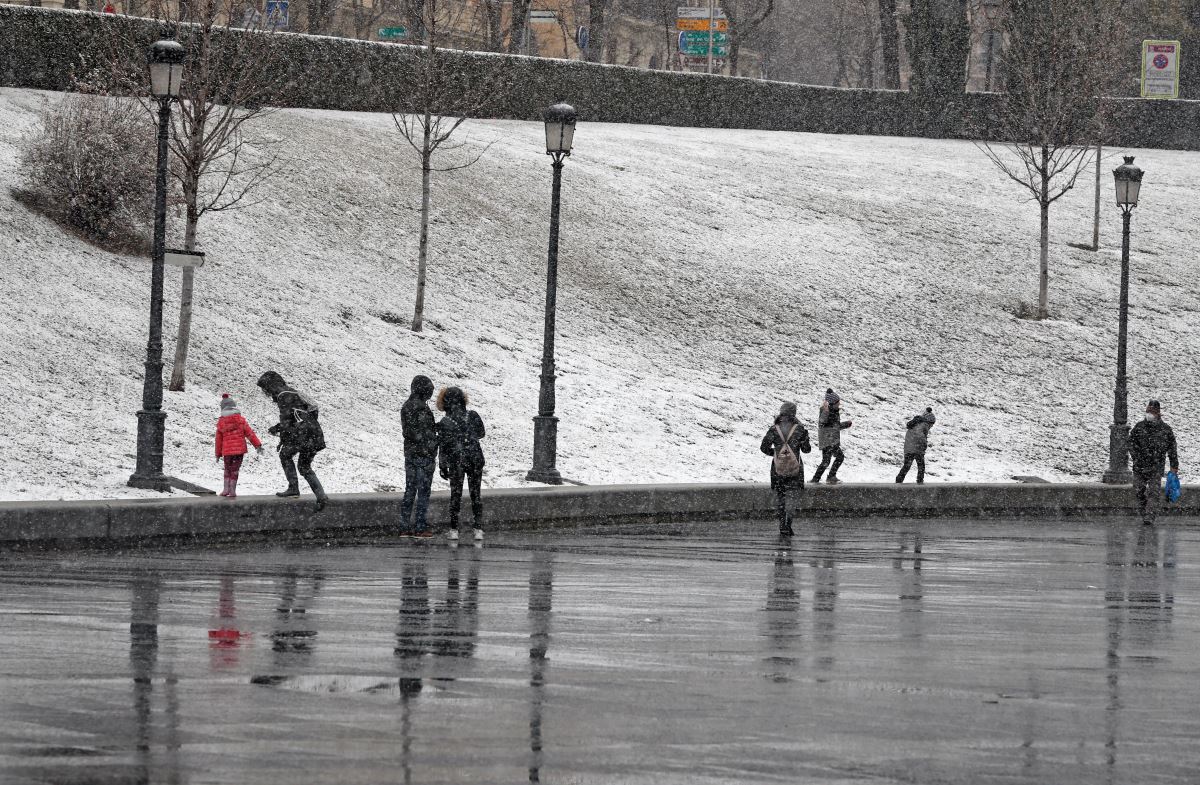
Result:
<point x="1160" y="69"/>
<point x="393" y="32"/>
<point x="720" y="25"/>
<point x="693" y="12"/>
<point x="177" y="258"/>
<point x="696" y="44"/>
<point x="543" y="16"/>
<point x="276" y="12"/>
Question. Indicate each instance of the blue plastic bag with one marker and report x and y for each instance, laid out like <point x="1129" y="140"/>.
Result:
<point x="1173" y="490"/>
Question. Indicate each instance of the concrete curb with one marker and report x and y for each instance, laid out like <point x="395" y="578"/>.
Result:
<point x="131" y="521"/>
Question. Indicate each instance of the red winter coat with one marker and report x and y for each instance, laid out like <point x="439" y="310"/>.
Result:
<point x="232" y="433"/>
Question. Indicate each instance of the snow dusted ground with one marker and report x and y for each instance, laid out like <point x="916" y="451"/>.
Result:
<point x="706" y="275"/>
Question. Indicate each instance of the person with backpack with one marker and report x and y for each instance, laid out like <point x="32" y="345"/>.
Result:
<point x="232" y="434"/>
<point x="299" y="432"/>
<point x="1151" y="444"/>
<point x="916" y="442"/>
<point x="460" y="456"/>
<point x="420" y="452"/>
<point x="784" y="442"/>
<point x="829" y="437"/>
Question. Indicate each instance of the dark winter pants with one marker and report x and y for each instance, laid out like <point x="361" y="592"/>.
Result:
<point x="827" y="454"/>
<point x="233" y="465"/>
<point x="786" y="497"/>
<point x="909" y="457"/>
<point x="474" y="480"/>
<point x="1147" y="486"/>
<point x="418" y="479"/>
<point x="306" y="471"/>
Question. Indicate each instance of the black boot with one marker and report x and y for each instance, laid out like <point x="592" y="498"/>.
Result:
<point x="318" y="491"/>
<point x="291" y="490"/>
<point x="289" y="471"/>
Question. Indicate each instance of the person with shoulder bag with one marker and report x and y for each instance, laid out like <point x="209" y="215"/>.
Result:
<point x="784" y="442"/>
<point x="299" y="432"/>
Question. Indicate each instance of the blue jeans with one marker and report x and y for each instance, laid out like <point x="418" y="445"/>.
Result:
<point x="418" y="479"/>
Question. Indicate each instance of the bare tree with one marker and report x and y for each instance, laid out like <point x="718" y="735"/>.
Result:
<point x="889" y="39"/>
<point x="746" y="18"/>
<point x="1059" y="62"/>
<point x="230" y="79"/>
<point x="855" y="43"/>
<point x="517" y="25"/>
<point x="442" y="98"/>
<point x="597" y="30"/>
<point x="938" y="35"/>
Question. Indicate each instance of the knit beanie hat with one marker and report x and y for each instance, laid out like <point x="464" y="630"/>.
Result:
<point x="788" y="409"/>
<point x="228" y="405"/>
<point x="1153" y="407"/>
<point x="831" y="397"/>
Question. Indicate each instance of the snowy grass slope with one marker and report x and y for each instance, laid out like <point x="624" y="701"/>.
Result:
<point x="705" y="276"/>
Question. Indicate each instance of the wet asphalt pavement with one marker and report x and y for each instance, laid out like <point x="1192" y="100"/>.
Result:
<point x="863" y="651"/>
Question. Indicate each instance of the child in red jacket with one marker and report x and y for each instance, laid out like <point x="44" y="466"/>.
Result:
<point x="232" y="433"/>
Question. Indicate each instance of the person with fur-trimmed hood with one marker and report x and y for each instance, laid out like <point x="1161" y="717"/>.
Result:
<point x="829" y="437"/>
<point x="916" y="442"/>
<point x="784" y="442"/>
<point x="299" y="432"/>
<point x="460" y="456"/>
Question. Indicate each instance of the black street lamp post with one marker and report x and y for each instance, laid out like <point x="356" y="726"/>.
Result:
<point x="1129" y="182"/>
<point x="166" y="76"/>
<point x="560" y="130"/>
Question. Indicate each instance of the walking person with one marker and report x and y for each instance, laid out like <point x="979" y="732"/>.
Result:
<point x="299" y="432"/>
<point x="784" y="442"/>
<point x="232" y="434"/>
<point x="916" y="442"/>
<point x="460" y="456"/>
<point x="1151" y="444"/>
<point x="829" y="437"/>
<point x="420" y="452"/>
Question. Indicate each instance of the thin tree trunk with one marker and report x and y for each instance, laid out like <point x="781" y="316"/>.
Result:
<point x="1096" y="218"/>
<point x="1044" y="276"/>
<point x="889" y="33"/>
<point x="596" y="32"/>
<point x="419" y="311"/>
<point x="184" y="335"/>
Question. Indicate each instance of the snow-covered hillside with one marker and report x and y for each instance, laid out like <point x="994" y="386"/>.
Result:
<point x="706" y="276"/>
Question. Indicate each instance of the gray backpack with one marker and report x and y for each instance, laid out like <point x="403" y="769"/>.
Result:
<point x="786" y="462"/>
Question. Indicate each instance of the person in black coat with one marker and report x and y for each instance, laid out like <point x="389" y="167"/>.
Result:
<point x="461" y="456"/>
<point x="786" y="430"/>
<point x="1151" y="445"/>
<point x="299" y="432"/>
<point x="420" y="452"/>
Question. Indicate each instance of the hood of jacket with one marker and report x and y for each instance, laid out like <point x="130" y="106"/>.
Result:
<point x="272" y="384"/>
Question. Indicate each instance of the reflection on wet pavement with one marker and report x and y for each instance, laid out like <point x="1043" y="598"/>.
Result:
<point x="859" y="651"/>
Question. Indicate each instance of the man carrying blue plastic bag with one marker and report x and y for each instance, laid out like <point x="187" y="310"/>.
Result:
<point x="1151" y="444"/>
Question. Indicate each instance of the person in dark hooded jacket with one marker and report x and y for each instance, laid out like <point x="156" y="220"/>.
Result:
<point x="420" y="452"/>
<point x="1151" y="446"/>
<point x="916" y="442"/>
<point x="299" y="432"/>
<point x="461" y="456"/>
<point x="787" y="430"/>
<point x="829" y="437"/>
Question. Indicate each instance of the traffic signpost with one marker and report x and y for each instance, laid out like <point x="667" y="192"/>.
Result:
<point x="393" y="32"/>
<point x="703" y="34"/>
<point x="1160" y="69"/>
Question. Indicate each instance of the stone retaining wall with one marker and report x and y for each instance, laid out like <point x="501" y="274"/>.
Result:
<point x="133" y="521"/>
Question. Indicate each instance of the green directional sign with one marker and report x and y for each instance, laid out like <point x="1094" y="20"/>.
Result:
<point x="393" y="32"/>
<point x="695" y="44"/>
<point x="700" y="38"/>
